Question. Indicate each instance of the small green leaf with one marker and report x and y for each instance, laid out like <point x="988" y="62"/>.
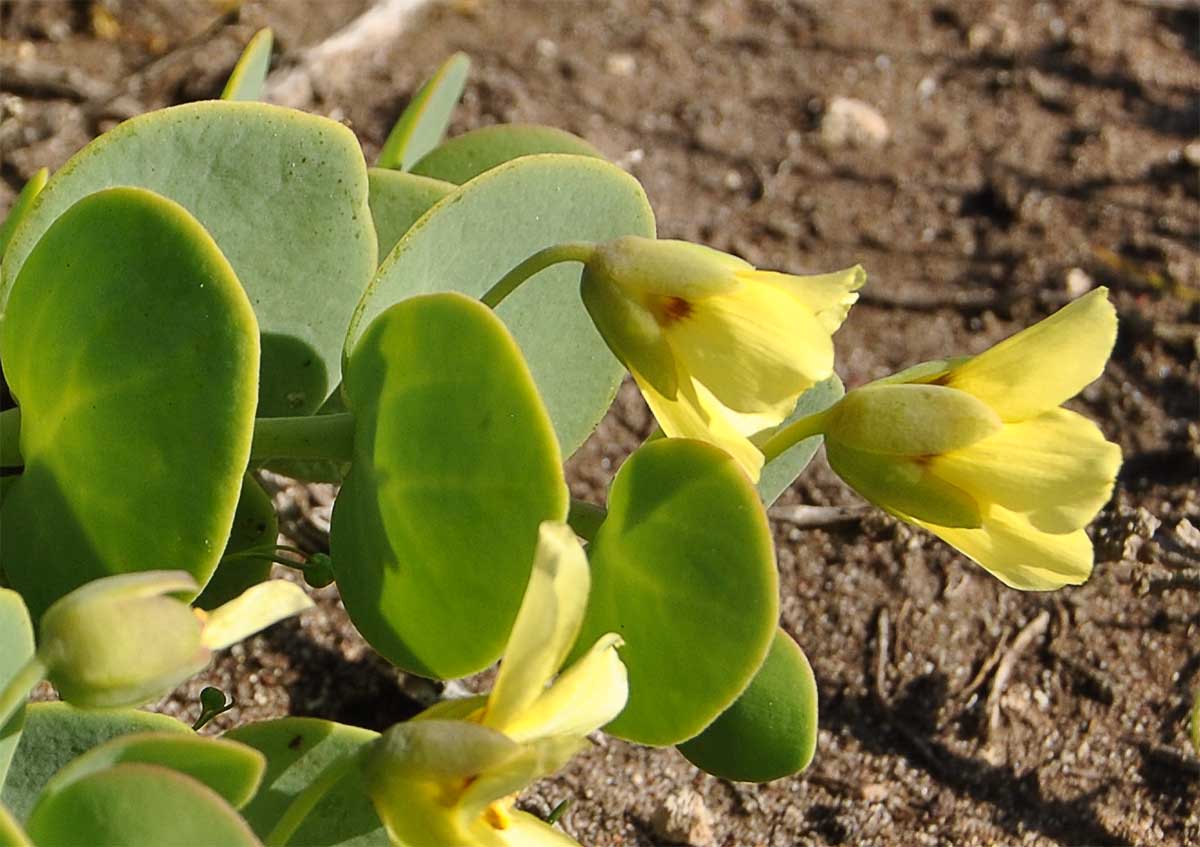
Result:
<point x="463" y="158"/>
<point x="250" y="73"/>
<point x="254" y="524"/>
<point x="298" y="750"/>
<point x="16" y="648"/>
<point x="284" y="195"/>
<point x="509" y="214"/>
<point x="683" y="569"/>
<point x="780" y="473"/>
<point x="134" y="360"/>
<point x="213" y="702"/>
<point x="56" y="733"/>
<point x="230" y="769"/>
<point x="770" y="731"/>
<point x="20" y="207"/>
<point x="137" y="804"/>
<point x="455" y="466"/>
<point x="397" y="202"/>
<point x="422" y="125"/>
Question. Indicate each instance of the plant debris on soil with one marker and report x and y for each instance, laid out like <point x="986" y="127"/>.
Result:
<point x="986" y="162"/>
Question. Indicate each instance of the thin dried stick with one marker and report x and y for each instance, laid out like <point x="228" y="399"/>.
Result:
<point x="1032" y="631"/>
<point x="818" y="517"/>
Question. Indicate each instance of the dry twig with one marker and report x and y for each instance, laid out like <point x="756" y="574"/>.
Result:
<point x="985" y="670"/>
<point x="1032" y="631"/>
<point x="818" y="517"/>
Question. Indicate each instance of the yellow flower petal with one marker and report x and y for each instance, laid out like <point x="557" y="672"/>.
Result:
<point x="828" y="296"/>
<point x="754" y="347"/>
<point x="255" y="608"/>
<point x="686" y="416"/>
<point x="1020" y="555"/>
<point x="525" y="830"/>
<point x="909" y="420"/>
<point x="546" y="625"/>
<point x="1046" y="364"/>
<point x="588" y="695"/>
<point x="903" y="486"/>
<point x="1056" y="468"/>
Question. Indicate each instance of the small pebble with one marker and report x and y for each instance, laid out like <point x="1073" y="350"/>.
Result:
<point x="853" y="123"/>
<point x="1079" y="282"/>
<point x="684" y="819"/>
<point x="620" y="64"/>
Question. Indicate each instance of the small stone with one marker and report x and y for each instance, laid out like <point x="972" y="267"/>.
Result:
<point x="620" y="64"/>
<point x="546" y="48"/>
<point x="853" y="123"/>
<point x="1079" y="282"/>
<point x="1191" y="154"/>
<point x="875" y="792"/>
<point x="684" y="819"/>
<point x="927" y="87"/>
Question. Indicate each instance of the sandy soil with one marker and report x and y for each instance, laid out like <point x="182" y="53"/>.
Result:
<point x="1032" y="149"/>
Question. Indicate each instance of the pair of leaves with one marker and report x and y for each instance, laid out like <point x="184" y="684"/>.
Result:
<point x="82" y="776"/>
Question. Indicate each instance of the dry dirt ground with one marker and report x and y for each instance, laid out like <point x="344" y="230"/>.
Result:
<point x="1033" y="149"/>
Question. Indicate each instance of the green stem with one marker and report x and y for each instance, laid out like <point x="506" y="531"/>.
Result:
<point x="308" y="799"/>
<point x="10" y="438"/>
<point x="572" y="251"/>
<point x="312" y="437"/>
<point x="585" y="518"/>
<point x="792" y="434"/>
<point x="17" y="691"/>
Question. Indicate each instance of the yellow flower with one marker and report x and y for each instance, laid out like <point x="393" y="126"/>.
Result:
<point x="123" y="639"/>
<point x="979" y="452"/>
<point x="448" y="778"/>
<point x="720" y="351"/>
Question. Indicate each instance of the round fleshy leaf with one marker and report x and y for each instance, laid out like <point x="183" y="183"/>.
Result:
<point x="283" y="193"/>
<point x="397" y="202"/>
<point x="133" y="354"/>
<point x="455" y="466"/>
<point x="16" y="648"/>
<point x="56" y="733"/>
<point x="467" y="156"/>
<point x="298" y="750"/>
<point x="770" y="731"/>
<point x="683" y="569"/>
<point x="254" y="524"/>
<point x="474" y="236"/>
<point x="136" y="804"/>
<point x="422" y="125"/>
<point x="230" y="769"/>
<point x="249" y="75"/>
<point x="781" y="472"/>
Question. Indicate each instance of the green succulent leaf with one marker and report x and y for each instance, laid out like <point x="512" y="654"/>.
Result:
<point x="781" y="472"/>
<point x="232" y="770"/>
<point x="770" y="731"/>
<point x="20" y="208"/>
<point x="470" y="154"/>
<point x="136" y="804"/>
<point x="135" y="364"/>
<point x="683" y="569"/>
<point x="398" y="200"/>
<point x="510" y="213"/>
<point x="56" y="733"/>
<point x="282" y="192"/>
<point x="16" y="648"/>
<point x="422" y="125"/>
<point x="298" y="750"/>
<point x="455" y="466"/>
<point x="254" y="524"/>
<point x="250" y="73"/>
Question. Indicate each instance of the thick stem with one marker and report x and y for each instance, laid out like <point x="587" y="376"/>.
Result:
<point x="539" y="261"/>
<point x="17" y="691"/>
<point x="308" y="799"/>
<point x="585" y="518"/>
<point x="10" y="438"/>
<point x="793" y="434"/>
<point x="312" y="437"/>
